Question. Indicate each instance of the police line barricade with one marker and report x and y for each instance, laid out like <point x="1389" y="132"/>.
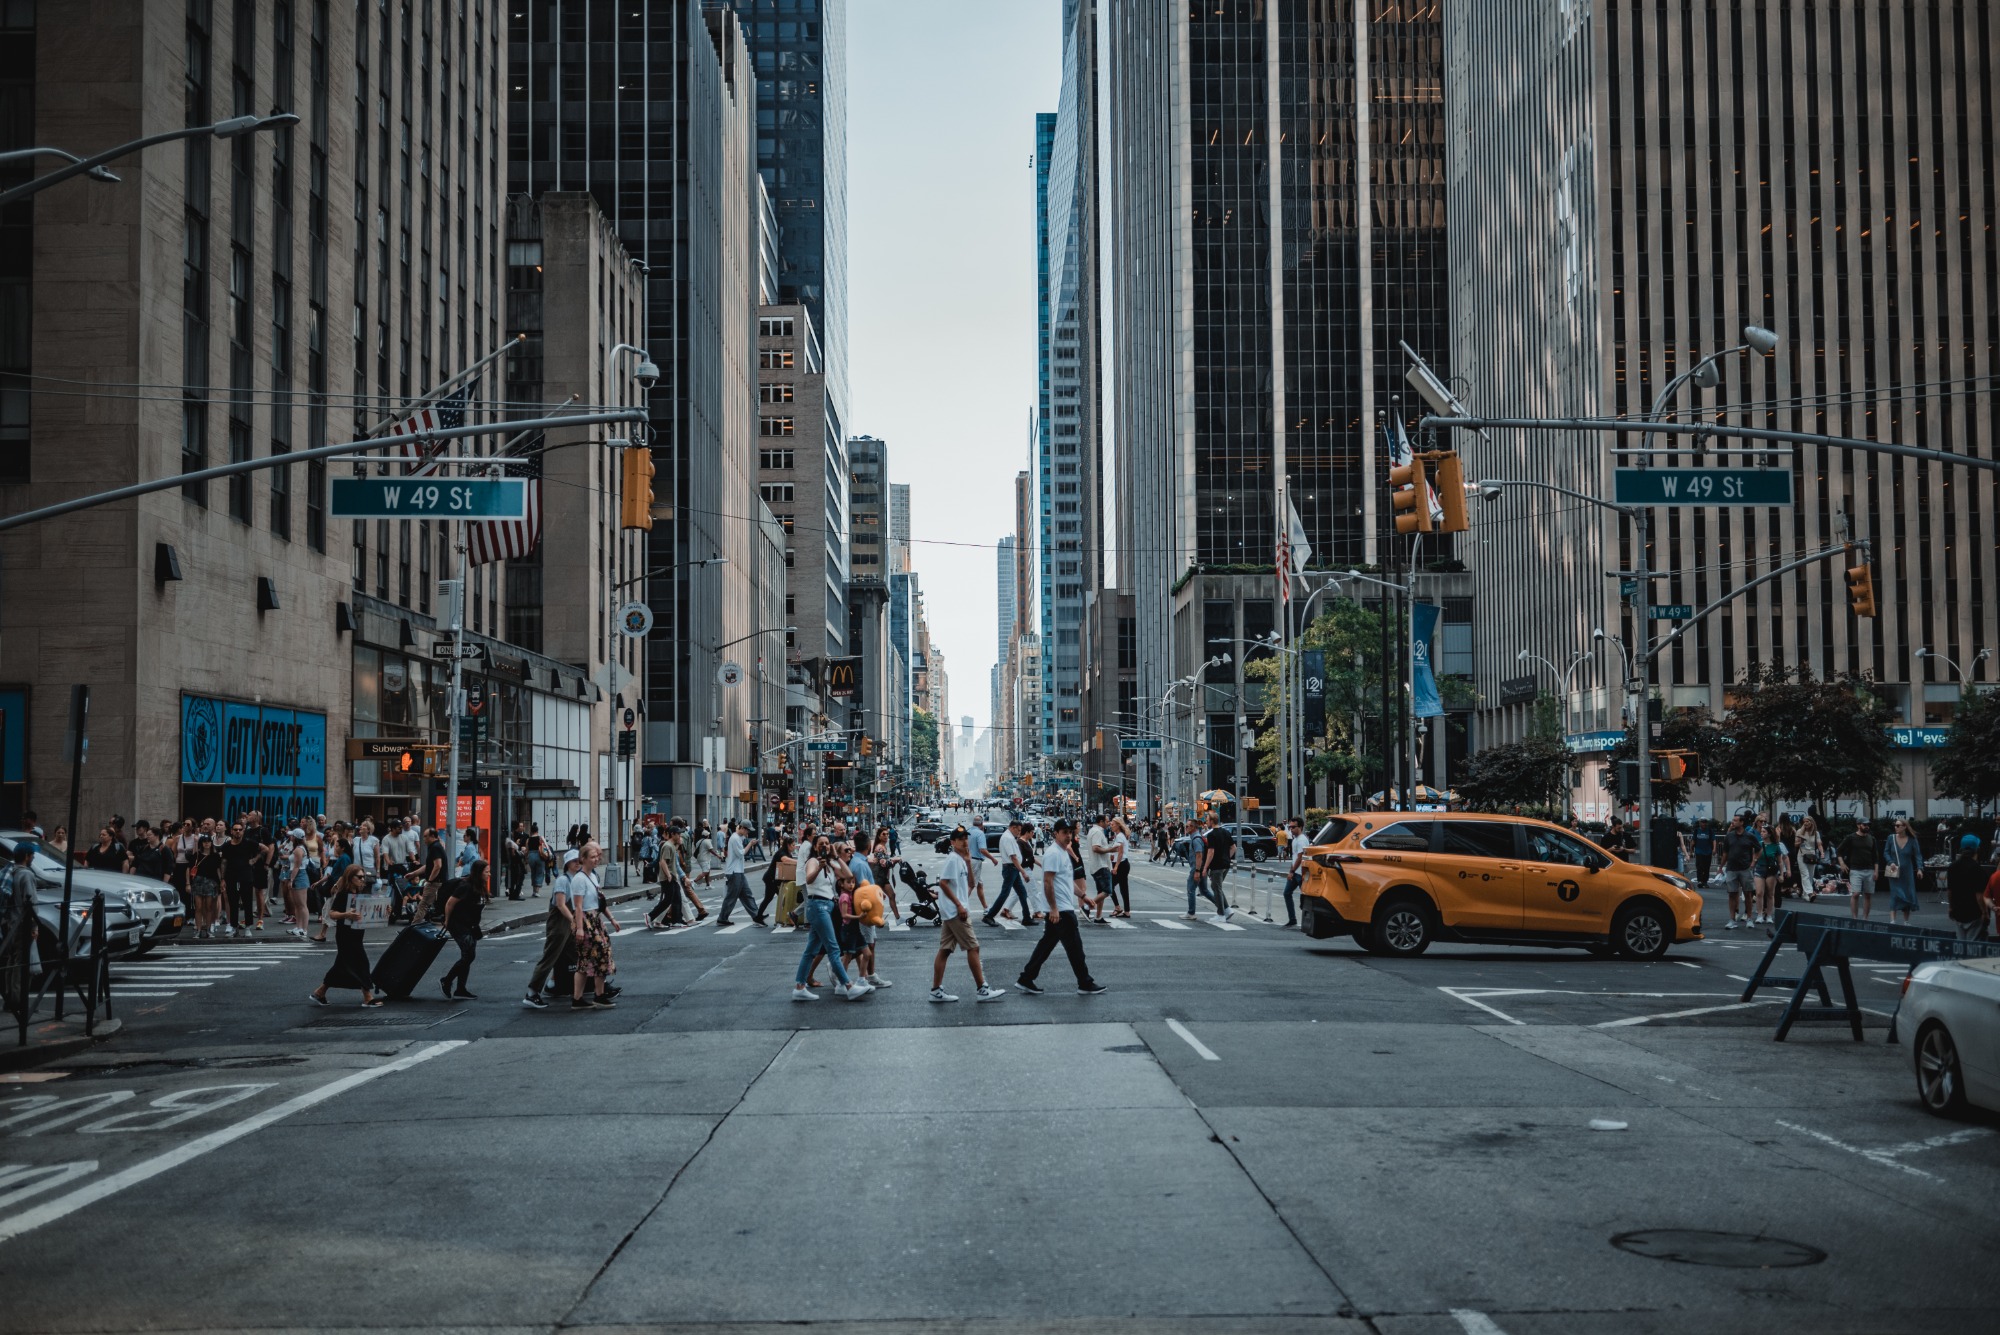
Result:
<point x="1829" y="941"/>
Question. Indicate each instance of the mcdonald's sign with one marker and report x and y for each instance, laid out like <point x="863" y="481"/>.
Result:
<point x="843" y="678"/>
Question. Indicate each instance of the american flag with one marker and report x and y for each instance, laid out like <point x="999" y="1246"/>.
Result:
<point x="501" y="539"/>
<point x="422" y="455"/>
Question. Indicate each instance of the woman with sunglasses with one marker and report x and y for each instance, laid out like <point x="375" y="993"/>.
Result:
<point x="1902" y="865"/>
<point x="820" y="890"/>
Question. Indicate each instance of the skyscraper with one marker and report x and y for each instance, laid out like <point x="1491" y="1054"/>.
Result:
<point x="1275" y="238"/>
<point x="1068" y="442"/>
<point x="1004" y="579"/>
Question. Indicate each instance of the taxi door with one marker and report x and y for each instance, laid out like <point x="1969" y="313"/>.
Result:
<point x="1559" y="891"/>
<point x="1398" y="853"/>
<point x="1477" y="871"/>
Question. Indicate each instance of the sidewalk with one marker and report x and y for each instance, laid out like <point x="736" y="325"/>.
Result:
<point x="50" y="1039"/>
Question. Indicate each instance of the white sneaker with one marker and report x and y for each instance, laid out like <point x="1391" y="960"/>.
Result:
<point x="1729" y="926"/>
<point x="1228" y="913"/>
<point x="939" y="994"/>
<point x="874" y="981"/>
<point x="857" y="990"/>
<point x="800" y="994"/>
<point x="991" y="994"/>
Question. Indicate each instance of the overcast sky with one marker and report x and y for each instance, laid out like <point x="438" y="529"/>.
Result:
<point x="942" y="96"/>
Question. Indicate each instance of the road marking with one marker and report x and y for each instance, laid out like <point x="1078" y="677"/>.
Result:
<point x="1200" y="1047"/>
<point x="1458" y="994"/>
<point x="1475" y="1323"/>
<point x="782" y="928"/>
<point x="1687" y="964"/>
<point x="1681" y="1015"/>
<point x="1122" y="924"/>
<point x="1889" y="1156"/>
<point x="1177" y="926"/>
<point x="1222" y="926"/>
<point x="50" y="1211"/>
<point x="732" y="929"/>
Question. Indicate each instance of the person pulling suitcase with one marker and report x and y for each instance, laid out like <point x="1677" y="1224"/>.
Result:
<point x="558" y="937"/>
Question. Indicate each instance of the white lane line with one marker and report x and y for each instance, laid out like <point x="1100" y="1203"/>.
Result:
<point x="1475" y="1323"/>
<point x="1008" y="924"/>
<point x="1687" y="964"/>
<point x="1200" y="1047"/>
<point x="1458" y="995"/>
<point x="783" y="928"/>
<point x="1177" y="926"/>
<point x="732" y="929"/>
<point x="1122" y="924"/>
<point x="124" y="993"/>
<point x="50" y="1211"/>
<point x="1682" y="1015"/>
<point x="1222" y="926"/>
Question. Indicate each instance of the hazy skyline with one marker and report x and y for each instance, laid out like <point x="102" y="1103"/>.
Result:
<point x="941" y="281"/>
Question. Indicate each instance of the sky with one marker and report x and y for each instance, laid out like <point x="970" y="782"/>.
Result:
<point x="942" y="96"/>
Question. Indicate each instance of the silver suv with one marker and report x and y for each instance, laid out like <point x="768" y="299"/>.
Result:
<point x="126" y="904"/>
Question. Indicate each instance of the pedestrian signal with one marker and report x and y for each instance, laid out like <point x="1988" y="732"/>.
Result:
<point x="635" y="499"/>
<point x="1449" y="472"/>
<point x="1861" y="590"/>
<point x="1410" y="501"/>
<point x="406" y="762"/>
<point x="1676" y="767"/>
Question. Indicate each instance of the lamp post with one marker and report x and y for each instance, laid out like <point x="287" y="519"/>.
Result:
<point x="1964" y="678"/>
<point x="93" y="166"/>
<point x="1562" y="675"/>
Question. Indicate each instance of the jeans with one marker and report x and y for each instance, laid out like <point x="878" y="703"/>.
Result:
<point x="1970" y="931"/>
<point x="1061" y="929"/>
<point x="1211" y="885"/>
<point x="820" y="940"/>
<point x="1121" y="883"/>
<point x="461" y="972"/>
<point x="1011" y="883"/>
<point x="739" y="888"/>
<point x="1291" y="907"/>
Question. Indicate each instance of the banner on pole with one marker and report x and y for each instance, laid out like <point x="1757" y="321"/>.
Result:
<point x="1424" y="697"/>
<point x="1312" y="668"/>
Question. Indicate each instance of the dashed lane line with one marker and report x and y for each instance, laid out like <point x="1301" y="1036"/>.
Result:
<point x="1201" y="1048"/>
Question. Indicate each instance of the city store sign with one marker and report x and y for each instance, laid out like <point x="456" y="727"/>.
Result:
<point x="267" y="758"/>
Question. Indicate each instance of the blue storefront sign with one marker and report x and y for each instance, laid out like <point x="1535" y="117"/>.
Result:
<point x="266" y="757"/>
<point x="1919" y="739"/>
<point x="1593" y="743"/>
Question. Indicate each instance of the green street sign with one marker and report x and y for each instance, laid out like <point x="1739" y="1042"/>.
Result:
<point x="1627" y="587"/>
<point x="1139" y="744"/>
<point x="1670" y="611"/>
<point x="834" y="744"/>
<point x="428" y="498"/>
<point x="1702" y="486"/>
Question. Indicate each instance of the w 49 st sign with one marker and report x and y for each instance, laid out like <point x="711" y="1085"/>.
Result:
<point x="428" y="498"/>
<point x="1702" y="486"/>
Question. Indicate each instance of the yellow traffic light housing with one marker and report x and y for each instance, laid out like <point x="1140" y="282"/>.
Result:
<point x="1410" y="502"/>
<point x="1861" y="590"/>
<point x="1449" y="472"/>
<point x="635" y="501"/>
<point x="867" y="746"/>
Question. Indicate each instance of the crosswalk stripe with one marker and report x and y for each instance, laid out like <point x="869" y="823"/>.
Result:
<point x="1122" y="925"/>
<point x="732" y="929"/>
<point x="1177" y="926"/>
<point x="1224" y="926"/>
<point x="783" y="928"/>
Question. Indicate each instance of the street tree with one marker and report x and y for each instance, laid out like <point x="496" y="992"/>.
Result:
<point x="1354" y="749"/>
<point x="1792" y="735"/>
<point x="1968" y="767"/>
<point x="923" y="740"/>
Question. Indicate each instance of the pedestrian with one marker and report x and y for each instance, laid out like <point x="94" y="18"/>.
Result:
<point x="955" y="919"/>
<point x="1740" y="847"/>
<point x="1811" y="851"/>
<point x="1902" y="870"/>
<point x="1210" y="866"/>
<point x="299" y="872"/>
<point x="465" y="900"/>
<point x="515" y="854"/>
<point x="239" y="885"/>
<point x="558" y="936"/>
<point x="431" y="873"/>
<point x="350" y="958"/>
<point x="1059" y="872"/>
<point x="1296" y="845"/>
<point x="820" y="892"/>
<point x="368" y="853"/>
<point x="737" y="883"/>
<point x="1858" y="855"/>
<point x="1769" y="871"/>
<point x="1121" y="868"/>
<point x="1013" y="874"/>
<point x="468" y="852"/>
<point x="1964" y="881"/>
<point x="977" y="855"/>
<point x="882" y="864"/>
<point x="1702" y="845"/>
<point x="592" y="924"/>
<point x="1097" y="867"/>
<point x="671" y="910"/>
<point x="205" y="884"/>
<point x="868" y="921"/>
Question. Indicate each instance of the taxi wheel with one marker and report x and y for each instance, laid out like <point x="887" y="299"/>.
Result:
<point x="1642" y="932"/>
<point x="1402" y="927"/>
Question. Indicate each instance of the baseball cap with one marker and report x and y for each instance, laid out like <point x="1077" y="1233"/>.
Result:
<point x="1969" y="842"/>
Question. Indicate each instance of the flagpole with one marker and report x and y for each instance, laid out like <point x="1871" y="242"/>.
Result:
<point x="444" y="388"/>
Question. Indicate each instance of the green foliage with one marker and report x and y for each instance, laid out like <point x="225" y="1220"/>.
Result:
<point x="1355" y="747"/>
<point x="924" y="741"/>
<point x="1794" y="736"/>
<point x="1521" y="777"/>
<point x="1968" y="768"/>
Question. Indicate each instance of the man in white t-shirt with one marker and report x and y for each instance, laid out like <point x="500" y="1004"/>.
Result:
<point x="954" y="919"/>
<point x="1013" y="878"/>
<point x="1097" y="867"/>
<point x="1059" y="875"/>
<point x="368" y="851"/>
<point x="733" y="875"/>
<point x="977" y="855"/>
<point x="1295" y="844"/>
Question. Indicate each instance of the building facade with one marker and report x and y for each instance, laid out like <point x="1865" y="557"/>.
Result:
<point x="1277" y="238"/>
<point x="1617" y="216"/>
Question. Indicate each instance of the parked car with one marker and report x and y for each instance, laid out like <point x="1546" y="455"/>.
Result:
<point x="929" y="830"/>
<point x="123" y="932"/>
<point x="1952" y="1007"/>
<point x="155" y="905"/>
<point x="1253" y="841"/>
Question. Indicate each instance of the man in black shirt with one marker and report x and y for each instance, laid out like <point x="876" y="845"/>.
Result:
<point x="434" y="870"/>
<point x="1211" y="865"/>
<point x="1739" y="848"/>
<point x="239" y="894"/>
<point x="146" y="857"/>
<point x="465" y="900"/>
<point x="1859" y="855"/>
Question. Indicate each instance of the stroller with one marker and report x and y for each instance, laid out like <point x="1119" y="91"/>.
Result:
<point x="924" y="899"/>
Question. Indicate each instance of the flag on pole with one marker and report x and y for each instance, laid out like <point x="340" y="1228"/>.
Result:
<point x="447" y="412"/>
<point x="1400" y="454"/>
<point x="503" y="539"/>
<point x="1300" y="546"/>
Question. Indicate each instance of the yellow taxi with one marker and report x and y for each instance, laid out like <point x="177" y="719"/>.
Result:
<point x="1397" y="881"/>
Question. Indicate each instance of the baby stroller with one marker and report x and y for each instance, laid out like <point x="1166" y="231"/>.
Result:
<point x="923" y="905"/>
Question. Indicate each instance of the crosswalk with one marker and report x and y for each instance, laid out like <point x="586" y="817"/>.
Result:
<point x="173" y="971"/>
<point x="1139" y="921"/>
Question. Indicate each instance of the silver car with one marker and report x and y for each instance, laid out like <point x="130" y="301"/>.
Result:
<point x="124" y="931"/>
<point x="1952" y="1010"/>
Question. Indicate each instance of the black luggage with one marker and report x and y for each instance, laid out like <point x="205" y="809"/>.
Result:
<point x="408" y="958"/>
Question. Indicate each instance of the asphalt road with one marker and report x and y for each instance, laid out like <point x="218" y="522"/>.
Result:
<point x="1249" y="1132"/>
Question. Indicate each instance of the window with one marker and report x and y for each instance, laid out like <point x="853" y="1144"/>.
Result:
<point x="775" y="359"/>
<point x="1409" y="836"/>
<point x="1559" y="848"/>
<point x="776" y="493"/>
<point x="774" y="326"/>
<point x="775" y="459"/>
<point x="1478" y="838"/>
<point x="774" y="426"/>
<point x="774" y="393"/>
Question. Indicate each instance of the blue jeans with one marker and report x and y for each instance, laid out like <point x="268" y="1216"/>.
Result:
<point x="1011" y="883"/>
<point x="1210" y="885"/>
<point x="820" y="940"/>
<point x="1291" y="907"/>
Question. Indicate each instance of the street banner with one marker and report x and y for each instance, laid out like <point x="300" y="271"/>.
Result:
<point x="843" y="678"/>
<point x="1423" y="684"/>
<point x="1312" y="666"/>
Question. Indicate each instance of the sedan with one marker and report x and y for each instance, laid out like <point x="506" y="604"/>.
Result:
<point x="1255" y="842"/>
<point x="1953" y="1008"/>
<point x="154" y="906"/>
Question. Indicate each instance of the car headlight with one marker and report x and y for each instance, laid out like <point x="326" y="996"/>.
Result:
<point x="1678" y="882"/>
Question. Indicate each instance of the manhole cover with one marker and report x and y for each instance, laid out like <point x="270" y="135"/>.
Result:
<point x="1731" y="1251"/>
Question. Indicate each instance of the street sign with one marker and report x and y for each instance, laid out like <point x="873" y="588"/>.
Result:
<point x="428" y="498"/>
<point x="1702" y="486"/>
<point x="729" y="674"/>
<point x="1670" y="611"/>
<point x="377" y="748"/>
<point x="468" y="652"/>
<point x="1627" y="587"/>
<point x="834" y="744"/>
<point x="1140" y="744"/>
<point x="635" y="621"/>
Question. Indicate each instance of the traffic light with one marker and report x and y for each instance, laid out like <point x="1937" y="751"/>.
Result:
<point x="635" y="502"/>
<point x="1411" y="500"/>
<point x="867" y="746"/>
<point x="1676" y="767"/>
<point x="406" y="762"/>
<point x="1449" y="471"/>
<point x="1861" y="589"/>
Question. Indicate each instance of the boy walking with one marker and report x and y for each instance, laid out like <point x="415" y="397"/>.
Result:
<point x="954" y="921"/>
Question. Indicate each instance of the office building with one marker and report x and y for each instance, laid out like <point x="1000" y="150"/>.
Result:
<point x="1275" y="237"/>
<point x="802" y="477"/>
<point x="868" y="598"/>
<point x="649" y="106"/>
<point x="899" y="526"/>
<point x="1787" y="168"/>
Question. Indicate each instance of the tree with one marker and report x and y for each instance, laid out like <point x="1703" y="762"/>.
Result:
<point x="1524" y="776"/>
<point x="1680" y="730"/>
<point x="1354" y="748"/>
<point x="1794" y="736"/>
<point x="1968" y="768"/>
<point x="924" y="741"/>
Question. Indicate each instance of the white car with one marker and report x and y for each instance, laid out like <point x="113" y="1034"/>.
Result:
<point x="1951" y="1010"/>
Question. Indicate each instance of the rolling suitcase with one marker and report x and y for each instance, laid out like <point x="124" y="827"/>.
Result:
<point x="408" y="957"/>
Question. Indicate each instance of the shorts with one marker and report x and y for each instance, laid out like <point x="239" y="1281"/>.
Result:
<point x="1736" y="879"/>
<point x="205" y="887"/>
<point x="868" y="930"/>
<point x="1861" y="883"/>
<point x="956" y="932"/>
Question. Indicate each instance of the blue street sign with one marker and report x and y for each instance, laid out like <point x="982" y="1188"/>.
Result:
<point x="1139" y="744"/>
<point x="1670" y="611"/>
<point x="1702" y="486"/>
<point x="428" y="498"/>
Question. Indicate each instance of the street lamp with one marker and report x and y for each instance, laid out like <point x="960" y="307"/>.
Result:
<point x="1562" y="675"/>
<point x="1962" y="676"/>
<point x="93" y="165"/>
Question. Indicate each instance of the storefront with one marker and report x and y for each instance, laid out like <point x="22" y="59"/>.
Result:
<point x="239" y="756"/>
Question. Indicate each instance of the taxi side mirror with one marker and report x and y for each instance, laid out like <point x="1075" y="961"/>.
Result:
<point x="1595" y="862"/>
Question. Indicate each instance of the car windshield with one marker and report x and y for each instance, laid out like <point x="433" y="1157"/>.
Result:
<point x="1335" y="830"/>
<point x="42" y="863"/>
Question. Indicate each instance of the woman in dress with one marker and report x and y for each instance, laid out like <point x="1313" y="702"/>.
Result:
<point x="1769" y="869"/>
<point x="350" y="960"/>
<point x="592" y="923"/>
<point x="1902" y="866"/>
<point x="340" y="856"/>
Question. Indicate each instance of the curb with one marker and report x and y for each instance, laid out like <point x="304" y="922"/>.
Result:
<point x="55" y="1049"/>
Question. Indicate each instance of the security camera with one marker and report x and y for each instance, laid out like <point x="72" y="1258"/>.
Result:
<point x="647" y="374"/>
